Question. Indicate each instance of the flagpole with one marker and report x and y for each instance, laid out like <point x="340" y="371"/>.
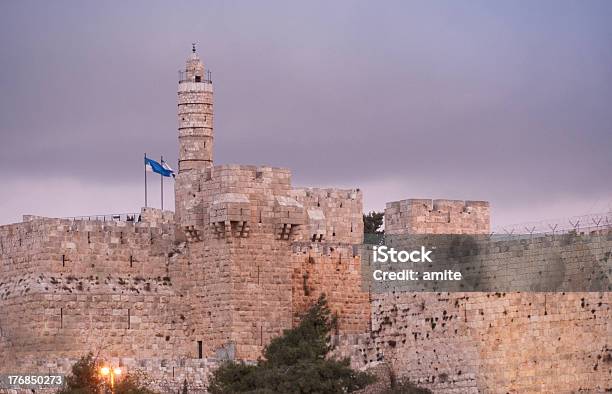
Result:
<point x="161" y="177"/>
<point x="145" y="168"/>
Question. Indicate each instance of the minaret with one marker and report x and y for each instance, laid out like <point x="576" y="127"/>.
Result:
<point x="195" y="115"/>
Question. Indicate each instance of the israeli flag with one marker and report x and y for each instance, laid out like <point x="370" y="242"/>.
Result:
<point x="162" y="169"/>
<point x="167" y="168"/>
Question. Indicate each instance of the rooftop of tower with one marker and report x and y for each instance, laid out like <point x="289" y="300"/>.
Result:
<point x="194" y="69"/>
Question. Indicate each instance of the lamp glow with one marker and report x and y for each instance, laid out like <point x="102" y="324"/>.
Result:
<point x="105" y="371"/>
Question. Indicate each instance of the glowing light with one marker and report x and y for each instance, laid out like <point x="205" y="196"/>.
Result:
<point x="117" y="371"/>
<point x="105" y="371"/>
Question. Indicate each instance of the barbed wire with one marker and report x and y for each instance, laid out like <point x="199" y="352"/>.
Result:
<point x="582" y="223"/>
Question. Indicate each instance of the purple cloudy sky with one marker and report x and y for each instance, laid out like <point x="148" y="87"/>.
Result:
<point x="506" y="101"/>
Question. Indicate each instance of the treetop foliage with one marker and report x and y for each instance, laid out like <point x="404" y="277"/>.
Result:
<point x="372" y="222"/>
<point x="86" y="379"/>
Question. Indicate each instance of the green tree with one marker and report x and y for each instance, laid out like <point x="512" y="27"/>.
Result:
<point x="85" y="379"/>
<point x="295" y="362"/>
<point x="372" y="222"/>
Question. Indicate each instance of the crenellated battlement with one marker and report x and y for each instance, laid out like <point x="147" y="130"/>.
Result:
<point x="425" y="216"/>
<point x="89" y="247"/>
<point x="333" y="215"/>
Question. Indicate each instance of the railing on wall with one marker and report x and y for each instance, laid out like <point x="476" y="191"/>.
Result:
<point x="183" y="76"/>
<point x="113" y="217"/>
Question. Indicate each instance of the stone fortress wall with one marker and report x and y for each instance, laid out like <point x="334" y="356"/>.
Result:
<point x="492" y="342"/>
<point x="140" y="293"/>
<point x="70" y="287"/>
<point x="499" y="342"/>
<point x="245" y="254"/>
<point x="423" y="216"/>
<point x="62" y="258"/>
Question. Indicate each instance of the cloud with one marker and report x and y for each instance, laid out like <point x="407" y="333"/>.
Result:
<point x="422" y="99"/>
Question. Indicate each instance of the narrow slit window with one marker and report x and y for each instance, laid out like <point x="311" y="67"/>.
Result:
<point x="200" y="350"/>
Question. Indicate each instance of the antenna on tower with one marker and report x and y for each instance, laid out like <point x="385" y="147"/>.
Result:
<point x="193" y="47"/>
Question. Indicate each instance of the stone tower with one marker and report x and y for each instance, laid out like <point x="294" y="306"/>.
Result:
<point x="195" y="132"/>
<point x="195" y="115"/>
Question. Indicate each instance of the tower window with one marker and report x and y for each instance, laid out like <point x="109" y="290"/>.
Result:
<point x="200" y="350"/>
<point x="198" y="78"/>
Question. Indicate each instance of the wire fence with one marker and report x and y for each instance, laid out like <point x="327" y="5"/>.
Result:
<point x="574" y="224"/>
<point x="584" y="224"/>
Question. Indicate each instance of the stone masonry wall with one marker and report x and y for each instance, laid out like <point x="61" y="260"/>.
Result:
<point x="325" y="256"/>
<point x="502" y="342"/>
<point x="492" y="342"/>
<point x="334" y="270"/>
<point x="414" y="216"/>
<point x="335" y="215"/>
<point x="78" y="286"/>
<point x="240" y="267"/>
<point x="561" y="262"/>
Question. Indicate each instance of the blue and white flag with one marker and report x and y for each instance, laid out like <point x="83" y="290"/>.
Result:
<point x="162" y="169"/>
<point x="167" y="168"/>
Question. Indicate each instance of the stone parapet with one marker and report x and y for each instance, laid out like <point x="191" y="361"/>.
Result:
<point x="424" y="216"/>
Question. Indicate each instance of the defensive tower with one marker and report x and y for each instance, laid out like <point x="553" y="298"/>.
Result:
<point x="195" y="115"/>
<point x="195" y="133"/>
